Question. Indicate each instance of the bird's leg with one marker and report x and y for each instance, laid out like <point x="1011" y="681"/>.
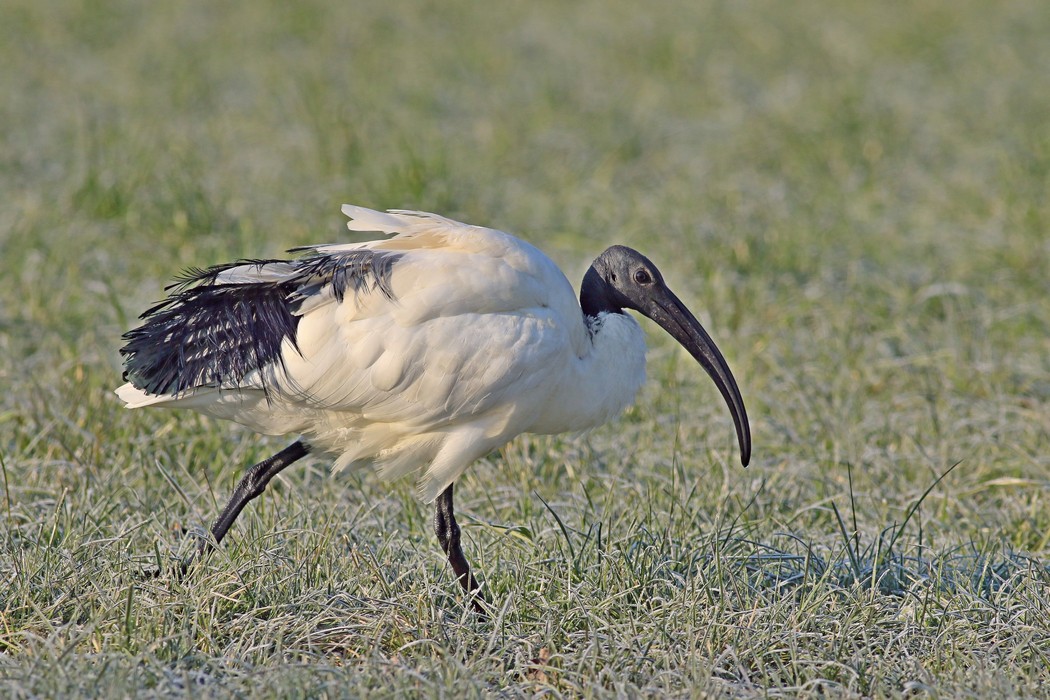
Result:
<point x="251" y="485"/>
<point x="448" y="534"/>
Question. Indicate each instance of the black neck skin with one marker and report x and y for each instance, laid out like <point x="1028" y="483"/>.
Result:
<point x="596" y="296"/>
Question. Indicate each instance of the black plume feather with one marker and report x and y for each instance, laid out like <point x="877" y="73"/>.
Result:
<point x="208" y="333"/>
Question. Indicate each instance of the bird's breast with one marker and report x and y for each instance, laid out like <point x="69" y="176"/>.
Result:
<point x="600" y="384"/>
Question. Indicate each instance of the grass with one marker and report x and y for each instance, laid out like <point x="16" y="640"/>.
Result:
<point x="853" y="196"/>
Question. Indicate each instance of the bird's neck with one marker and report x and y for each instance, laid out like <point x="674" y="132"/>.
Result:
<point x="599" y="385"/>
<point x="596" y="296"/>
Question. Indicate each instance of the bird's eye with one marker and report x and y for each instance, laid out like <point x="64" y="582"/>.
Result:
<point x="642" y="277"/>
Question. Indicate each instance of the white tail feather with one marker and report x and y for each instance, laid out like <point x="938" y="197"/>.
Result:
<point x="136" y="398"/>
<point x="397" y="220"/>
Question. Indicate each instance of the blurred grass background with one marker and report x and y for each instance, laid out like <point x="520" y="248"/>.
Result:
<point x="853" y="196"/>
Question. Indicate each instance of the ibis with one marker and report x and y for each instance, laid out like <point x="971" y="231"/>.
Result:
<point x="417" y="353"/>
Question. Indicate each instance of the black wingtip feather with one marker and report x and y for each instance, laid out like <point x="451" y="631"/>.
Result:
<point x="207" y="333"/>
<point x="209" y="336"/>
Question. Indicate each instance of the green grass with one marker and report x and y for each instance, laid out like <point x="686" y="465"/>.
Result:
<point x="853" y="196"/>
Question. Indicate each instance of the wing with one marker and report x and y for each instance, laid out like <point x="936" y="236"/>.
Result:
<point x="228" y="323"/>
<point x="441" y="321"/>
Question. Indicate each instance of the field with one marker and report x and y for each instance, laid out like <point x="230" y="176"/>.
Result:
<point x="854" y="197"/>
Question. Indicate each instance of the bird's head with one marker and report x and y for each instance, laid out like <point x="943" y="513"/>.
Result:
<point x="622" y="278"/>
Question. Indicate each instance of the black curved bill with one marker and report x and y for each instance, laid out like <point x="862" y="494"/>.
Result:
<point x="676" y="319"/>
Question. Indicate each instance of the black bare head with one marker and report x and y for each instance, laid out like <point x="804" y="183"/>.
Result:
<point x="622" y="278"/>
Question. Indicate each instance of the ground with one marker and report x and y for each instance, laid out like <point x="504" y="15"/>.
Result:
<point x="852" y="196"/>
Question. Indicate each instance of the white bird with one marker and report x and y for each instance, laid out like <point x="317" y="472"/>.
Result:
<point x="416" y="353"/>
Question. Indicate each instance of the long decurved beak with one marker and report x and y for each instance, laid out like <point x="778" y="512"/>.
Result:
<point x="673" y="316"/>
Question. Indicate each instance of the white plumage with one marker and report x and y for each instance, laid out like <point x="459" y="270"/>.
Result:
<point x="419" y="352"/>
<point x="481" y="339"/>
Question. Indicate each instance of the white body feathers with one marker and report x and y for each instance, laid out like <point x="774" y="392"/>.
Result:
<point x="479" y="339"/>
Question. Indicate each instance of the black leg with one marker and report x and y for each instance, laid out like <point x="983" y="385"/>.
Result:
<point x="448" y="534"/>
<point x="252" y="485"/>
